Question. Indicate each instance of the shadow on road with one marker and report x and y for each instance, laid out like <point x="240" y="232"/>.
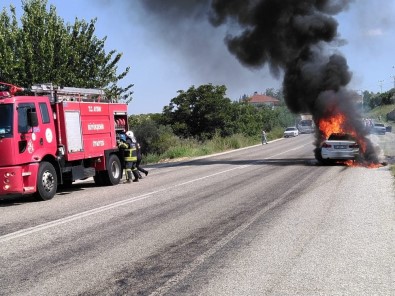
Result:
<point x="271" y="161"/>
<point x="15" y="200"/>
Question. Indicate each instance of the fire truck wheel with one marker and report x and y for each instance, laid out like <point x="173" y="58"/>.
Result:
<point x="47" y="181"/>
<point x="114" y="171"/>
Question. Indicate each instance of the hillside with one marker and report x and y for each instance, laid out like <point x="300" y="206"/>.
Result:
<point x="380" y="112"/>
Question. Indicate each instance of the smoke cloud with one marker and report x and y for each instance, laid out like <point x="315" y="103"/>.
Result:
<point x="294" y="39"/>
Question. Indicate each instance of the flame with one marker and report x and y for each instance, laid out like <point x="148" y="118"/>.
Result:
<point x="350" y="163"/>
<point x="354" y="164"/>
<point x="333" y="124"/>
<point x="337" y="123"/>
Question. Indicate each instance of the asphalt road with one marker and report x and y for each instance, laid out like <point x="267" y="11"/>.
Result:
<point x="266" y="220"/>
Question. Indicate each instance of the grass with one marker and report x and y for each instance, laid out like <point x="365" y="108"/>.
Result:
<point x="380" y="112"/>
<point x="192" y="148"/>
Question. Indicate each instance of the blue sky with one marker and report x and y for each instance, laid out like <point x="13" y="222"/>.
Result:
<point x="162" y="61"/>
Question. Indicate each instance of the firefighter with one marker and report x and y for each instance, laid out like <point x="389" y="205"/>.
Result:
<point x="130" y="156"/>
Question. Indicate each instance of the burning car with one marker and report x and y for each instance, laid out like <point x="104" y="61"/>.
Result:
<point x="339" y="146"/>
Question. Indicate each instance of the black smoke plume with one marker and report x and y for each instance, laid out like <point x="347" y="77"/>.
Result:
<point x="296" y="39"/>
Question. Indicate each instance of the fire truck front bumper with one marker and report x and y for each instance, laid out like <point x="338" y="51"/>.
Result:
<point x="17" y="180"/>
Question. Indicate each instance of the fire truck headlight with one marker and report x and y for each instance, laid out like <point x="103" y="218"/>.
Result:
<point x="6" y="187"/>
<point x="6" y="181"/>
<point x="7" y="174"/>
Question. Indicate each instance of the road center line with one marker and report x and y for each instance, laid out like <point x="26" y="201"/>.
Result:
<point x="34" y="229"/>
<point x="221" y="243"/>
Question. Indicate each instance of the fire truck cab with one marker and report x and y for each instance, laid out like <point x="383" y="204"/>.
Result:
<point x="51" y="135"/>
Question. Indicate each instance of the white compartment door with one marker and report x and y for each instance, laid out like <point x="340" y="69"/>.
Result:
<point x="73" y="131"/>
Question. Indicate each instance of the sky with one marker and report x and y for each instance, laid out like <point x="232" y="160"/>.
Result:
<point x="167" y="56"/>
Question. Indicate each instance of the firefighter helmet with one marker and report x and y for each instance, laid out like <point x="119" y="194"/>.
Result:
<point x="130" y="134"/>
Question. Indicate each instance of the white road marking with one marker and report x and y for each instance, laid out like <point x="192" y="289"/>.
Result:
<point x="220" y="244"/>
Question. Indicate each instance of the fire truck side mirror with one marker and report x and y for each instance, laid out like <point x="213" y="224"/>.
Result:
<point x="32" y="118"/>
<point x="27" y="118"/>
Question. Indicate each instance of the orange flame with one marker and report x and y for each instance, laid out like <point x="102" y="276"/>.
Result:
<point x="369" y="165"/>
<point x="337" y="124"/>
<point x="334" y="124"/>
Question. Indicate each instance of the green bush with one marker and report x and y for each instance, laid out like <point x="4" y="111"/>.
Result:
<point x="151" y="158"/>
<point x="176" y="152"/>
<point x="275" y="133"/>
<point x="160" y="142"/>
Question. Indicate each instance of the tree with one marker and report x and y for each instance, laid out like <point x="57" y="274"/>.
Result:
<point x="44" y="49"/>
<point x="385" y="98"/>
<point x="366" y="98"/>
<point x="200" y="112"/>
<point x="246" y="119"/>
<point x="275" y="93"/>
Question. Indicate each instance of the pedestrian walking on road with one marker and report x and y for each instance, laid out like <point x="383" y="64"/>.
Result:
<point x="264" y="138"/>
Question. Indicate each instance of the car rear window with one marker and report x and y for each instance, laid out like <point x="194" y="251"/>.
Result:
<point x="342" y="137"/>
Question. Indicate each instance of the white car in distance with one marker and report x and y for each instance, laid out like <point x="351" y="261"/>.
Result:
<point x="291" y="131"/>
<point x="379" y="128"/>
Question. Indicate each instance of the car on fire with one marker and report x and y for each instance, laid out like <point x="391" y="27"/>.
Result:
<point x="339" y="147"/>
<point x="291" y="131"/>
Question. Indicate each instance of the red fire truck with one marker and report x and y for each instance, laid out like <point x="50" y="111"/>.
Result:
<point x="55" y="135"/>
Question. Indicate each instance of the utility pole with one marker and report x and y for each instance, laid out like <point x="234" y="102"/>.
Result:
<point x="381" y="85"/>
<point x="361" y="94"/>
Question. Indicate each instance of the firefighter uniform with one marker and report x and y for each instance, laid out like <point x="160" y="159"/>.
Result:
<point x="129" y="150"/>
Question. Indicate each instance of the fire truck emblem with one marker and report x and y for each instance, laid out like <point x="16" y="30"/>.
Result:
<point x="30" y="147"/>
<point x="48" y="135"/>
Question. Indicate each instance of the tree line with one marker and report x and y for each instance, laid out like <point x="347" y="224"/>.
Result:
<point x="42" y="48"/>
<point x="203" y="113"/>
<point x="372" y="100"/>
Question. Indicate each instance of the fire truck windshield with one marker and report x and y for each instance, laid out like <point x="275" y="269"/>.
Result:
<point x="6" y="122"/>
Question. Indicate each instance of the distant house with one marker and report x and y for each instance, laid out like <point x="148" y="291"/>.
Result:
<point x="259" y="100"/>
